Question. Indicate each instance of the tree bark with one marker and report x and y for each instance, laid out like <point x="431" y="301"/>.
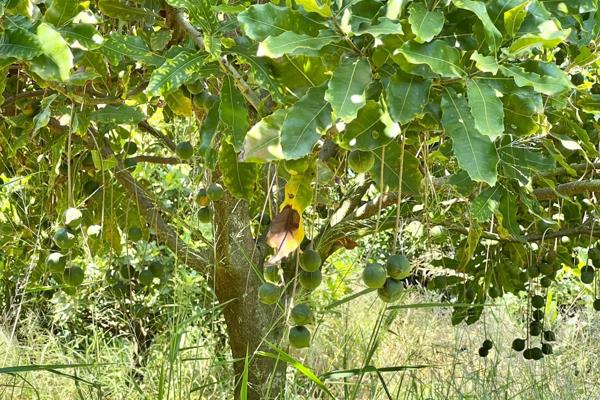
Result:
<point x="250" y="324"/>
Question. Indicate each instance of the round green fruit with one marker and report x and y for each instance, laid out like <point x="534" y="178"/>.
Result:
<point x="146" y="277"/>
<point x="547" y="348"/>
<point x="135" y="233"/>
<point x="130" y="148"/>
<point x="310" y="280"/>
<point x="205" y="215"/>
<point x="156" y="268"/>
<point x="538" y="301"/>
<point x="487" y="344"/>
<point x="596" y="304"/>
<point x="202" y="198"/>
<point x="533" y="271"/>
<point x="56" y="262"/>
<point x="535" y="328"/>
<point x="73" y="218"/>
<point x="549" y="336"/>
<point x="310" y="260"/>
<point x="302" y="314"/>
<point x="483" y="352"/>
<point x="195" y="87"/>
<point x="127" y="271"/>
<point x="269" y="293"/>
<point x="271" y="273"/>
<point x="537" y="354"/>
<point x="587" y="274"/>
<point x="215" y="192"/>
<point x="545" y="282"/>
<point x="494" y="292"/>
<point x="111" y="276"/>
<point x="73" y="276"/>
<point x="184" y="150"/>
<point x="296" y="167"/>
<point x="361" y="161"/>
<point x="398" y="266"/>
<point x="537" y="315"/>
<point x="374" y="276"/>
<point x="594" y="255"/>
<point x="64" y="238"/>
<point x="299" y="337"/>
<point x="527" y="354"/>
<point x="518" y="344"/>
<point x="391" y="290"/>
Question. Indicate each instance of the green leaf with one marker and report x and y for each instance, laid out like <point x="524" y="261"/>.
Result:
<point x="406" y="96"/>
<point x="208" y="129"/>
<point x="3" y="74"/>
<point x="486" y="109"/>
<point x="117" y="47"/>
<point x="346" y="89"/>
<point x="118" y="9"/>
<point x="485" y="63"/>
<point x="545" y="84"/>
<point x="295" y="44"/>
<point x="304" y="122"/>
<point x="20" y="44"/>
<point x="263" y="20"/>
<point x="200" y="12"/>
<point x="43" y="117"/>
<point x="384" y="26"/>
<point x="262" y="142"/>
<point x="61" y="12"/>
<point x="238" y="177"/>
<point x="411" y="175"/>
<point x="521" y="163"/>
<point x="425" y="24"/>
<point x="546" y="39"/>
<point x="54" y="46"/>
<point x="508" y="226"/>
<point x="373" y="128"/>
<point x="120" y="114"/>
<point x="174" y="72"/>
<point x="84" y="36"/>
<point x="313" y="6"/>
<point x="179" y="103"/>
<point x="514" y="17"/>
<point x="486" y="203"/>
<point x="233" y="111"/>
<point x="45" y="68"/>
<point x="492" y="34"/>
<point x="442" y="58"/>
<point x="475" y="152"/>
<point x="523" y="110"/>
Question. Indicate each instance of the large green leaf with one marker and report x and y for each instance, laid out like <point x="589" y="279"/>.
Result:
<point x="406" y="96"/>
<point x="485" y="63"/>
<point x="314" y="6"/>
<point x="121" y="10"/>
<point x="238" y="177"/>
<point x="118" y="46"/>
<point x="54" y="46"/>
<point x="486" y="109"/>
<point x="493" y="36"/>
<point x="475" y="152"/>
<point x="545" y="84"/>
<point x="372" y="128"/>
<point x="208" y="130"/>
<point x="61" y="12"/>
<point x="121" y="114"/>
<point x="547" y="39"/>
<point x="200" y="13"/>
<point x="263" y="20"/>
<point x="82" y="35"/>
<point x="346" y="89"/>
<point x="424" y="23"/>
<point x="442" y="58"/>
<point x="304" y="122"/>
<point x="295" y="44"/>
<point x="174" y="72"/>
<point x="486" y="203"/>
<point x="514" y="17"/>
<point x="384" y="26"/>
<point x="508" y="226"/>
<point x="233" y="111"/>
<point x="521" y="163"/>
<point x="262" y="142"/>
<point x="19" y="43"/>
<point x="390" y="156"/>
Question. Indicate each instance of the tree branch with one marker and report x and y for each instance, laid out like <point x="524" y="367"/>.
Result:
<point x="568" y="189"/>
<point x="145" y="126"/>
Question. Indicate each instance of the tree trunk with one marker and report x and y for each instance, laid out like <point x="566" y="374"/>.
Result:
<point x="250" y="324"/>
